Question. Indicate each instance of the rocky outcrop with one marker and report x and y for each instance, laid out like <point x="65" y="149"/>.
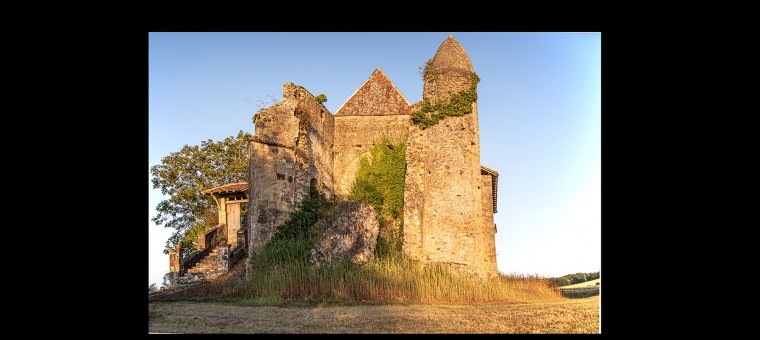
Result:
<point x="349" y="231"/>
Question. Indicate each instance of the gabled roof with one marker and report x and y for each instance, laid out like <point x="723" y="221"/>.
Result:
<point x="227" y="189"/>
<point x="377" y="96"/>
<point x="494" y="182"/>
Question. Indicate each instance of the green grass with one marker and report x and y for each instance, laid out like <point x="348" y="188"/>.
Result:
<point x="390" y="278"/>
<point x="584" y="284"/>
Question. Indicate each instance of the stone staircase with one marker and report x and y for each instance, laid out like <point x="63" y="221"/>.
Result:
<point x="207" y="267"/>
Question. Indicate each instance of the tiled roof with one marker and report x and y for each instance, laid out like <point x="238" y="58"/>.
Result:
<point x="227" y="189"/>
<point x="377" y="96"/>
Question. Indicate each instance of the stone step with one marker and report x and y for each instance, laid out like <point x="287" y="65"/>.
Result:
<point x="202" y="269"/>
<point x="212" y="265"/>
<point x="207" y="264"/>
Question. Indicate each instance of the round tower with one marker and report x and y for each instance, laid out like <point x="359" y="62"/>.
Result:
<point x="443" y="214"/>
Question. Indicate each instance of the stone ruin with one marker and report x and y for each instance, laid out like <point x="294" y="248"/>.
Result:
<point x="449" y="197"/>
<point x="299" y="145"/>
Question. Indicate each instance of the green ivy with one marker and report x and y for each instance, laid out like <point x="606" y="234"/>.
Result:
<point x="381" y="182"/>
<point x="313" y="207"/>
<point x="458" y="104"/>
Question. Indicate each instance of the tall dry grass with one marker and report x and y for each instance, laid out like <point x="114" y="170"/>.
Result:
<point x="283" y="274"/>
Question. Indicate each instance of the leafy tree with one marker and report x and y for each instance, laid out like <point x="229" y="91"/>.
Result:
<point x="185" y="173"/>
<point x="321" y="98"/>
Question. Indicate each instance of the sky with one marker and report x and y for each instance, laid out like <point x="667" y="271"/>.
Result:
<point x="539" y="110"/>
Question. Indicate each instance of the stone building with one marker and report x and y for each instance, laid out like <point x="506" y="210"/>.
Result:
<point x="449" y="197"/>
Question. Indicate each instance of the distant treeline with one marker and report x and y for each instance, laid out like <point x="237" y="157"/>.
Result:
<point x="571" y="279"/>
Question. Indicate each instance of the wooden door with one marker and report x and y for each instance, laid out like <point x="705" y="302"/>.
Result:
<point x="233" y="223"/>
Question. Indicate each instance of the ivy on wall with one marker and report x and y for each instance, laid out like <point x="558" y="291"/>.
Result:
<point x="381" y="182"/>
<point x="457" y="105"/>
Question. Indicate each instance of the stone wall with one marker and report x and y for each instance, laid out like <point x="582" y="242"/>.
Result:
<point x="271" y="190"/>
<point x="377" y="109"/>
<point x="174" y="260"/>
<point x="314" y="146"/>
<point x="443" y="203"/>
<point x="291" y="146"/>
<point x="353" y="137"/>
<point x="277" y="124"/>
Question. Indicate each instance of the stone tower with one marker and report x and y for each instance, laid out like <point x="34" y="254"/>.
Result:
<point x="445" y="217"/>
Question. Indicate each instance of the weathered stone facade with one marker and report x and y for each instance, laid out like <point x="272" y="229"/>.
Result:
<point x="291" y="150"/>
<point x="375" y="111"/>
<point x="449" y="200"/>
<point x="444" y="218"/>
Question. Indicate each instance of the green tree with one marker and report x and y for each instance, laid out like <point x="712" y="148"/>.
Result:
<point x="183" y="174"/>
<point x="321" y="98"/>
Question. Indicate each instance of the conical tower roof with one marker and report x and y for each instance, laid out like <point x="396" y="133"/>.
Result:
<point x="451" y="56"/>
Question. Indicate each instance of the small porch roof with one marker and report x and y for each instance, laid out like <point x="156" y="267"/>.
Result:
<point x="228" y="189"/>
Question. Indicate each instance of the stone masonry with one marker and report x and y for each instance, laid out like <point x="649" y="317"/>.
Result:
<point x="449" y="198"/>
<point x="376" y="110"/>
<point x="291" y="150"/>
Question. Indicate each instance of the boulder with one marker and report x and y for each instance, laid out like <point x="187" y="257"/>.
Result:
<point x="349" y="231"/>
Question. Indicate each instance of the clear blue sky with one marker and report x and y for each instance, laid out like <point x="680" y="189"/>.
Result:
<point x="539" y="105"/>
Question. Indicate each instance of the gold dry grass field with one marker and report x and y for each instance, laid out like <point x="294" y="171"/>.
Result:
<point x="559" y="316"/>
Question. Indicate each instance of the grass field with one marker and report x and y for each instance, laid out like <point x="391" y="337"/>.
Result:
<point x="584" y="284"/>
<point x="562" y="316"/>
